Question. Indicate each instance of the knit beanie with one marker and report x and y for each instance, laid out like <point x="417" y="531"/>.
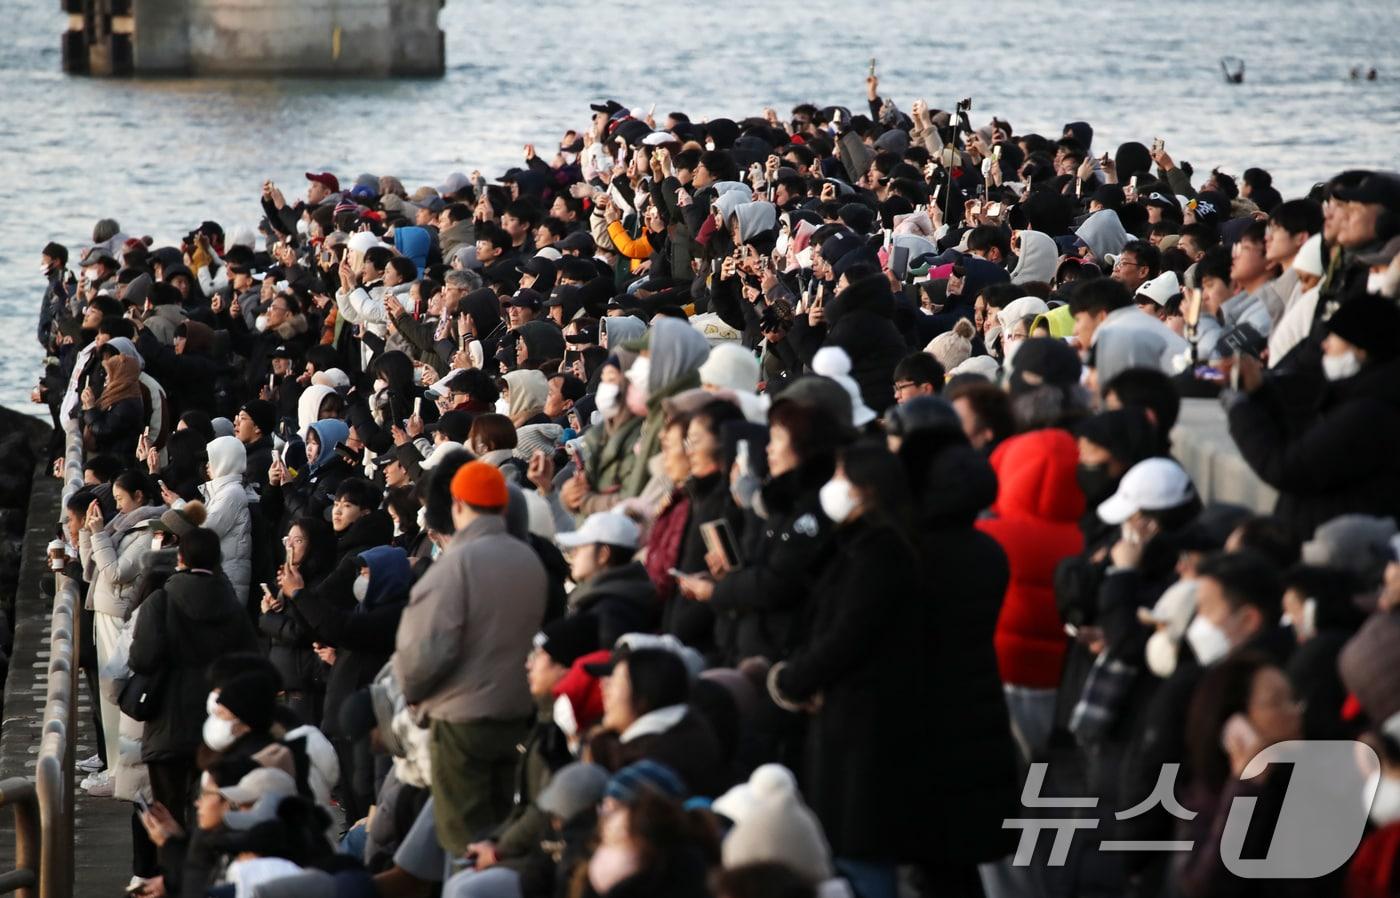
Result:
<point x="773" y="824"/>
<point x="184" y="519"/>
<point x="480" y="484"/>
<point x="252" y="697"/>
<point x="573" y="789"/>
<point x="833" y="362"/>
<point x="953" y="347"/>
<point x="731" y="366"/>
<point x="1369" y="322"/>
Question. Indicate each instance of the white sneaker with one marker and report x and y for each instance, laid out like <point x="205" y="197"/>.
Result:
<point x="94" y="779"/>
<point x="104" y="789"/>
<point x="90" y="765"/>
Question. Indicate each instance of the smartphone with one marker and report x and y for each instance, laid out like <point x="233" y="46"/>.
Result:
<point x="993" y="210"/>
<point x="677" y="572"/>
<point x="718" y="537"/>
<point x="271" y="382"/>
<point x="161" y="484"/>
<point x="996" y="152"/>
<point x="899" y="261"/>
<point x="1158" y="144"/>
<point x="872" y="67"/>
<point x="266" y="591"/>
<point x="1238" y="732"/>
<point x="417" y="406"/>
<point x="741" y="458"/>
<point x="1132" y="183"/>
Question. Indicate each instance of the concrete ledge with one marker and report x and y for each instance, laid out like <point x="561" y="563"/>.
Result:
<point x="1202" y="443"/>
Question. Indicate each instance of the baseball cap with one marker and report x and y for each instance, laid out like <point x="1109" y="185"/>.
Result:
<point x="579" y="241"/>
<point x="573" y="789"/>
<point x="609" y="527"/>
<point x="583" y="335"/>
<point x="535" y="265"/>
<point x="526" y="298"/>
<point x="1161" y="288"/>
<point x="326" y="179"/>
<point x="265" y="781"/>
<point x="363" y="241"/>
<point x="1153" y="484"/>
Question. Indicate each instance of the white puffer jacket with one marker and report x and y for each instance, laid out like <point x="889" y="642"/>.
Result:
<point x="112" y="559"/>
<point x="132" y="777"/>
<point x="226" y="500"/>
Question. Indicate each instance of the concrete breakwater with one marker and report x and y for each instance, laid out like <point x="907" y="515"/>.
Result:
<point x="254" y="38"/>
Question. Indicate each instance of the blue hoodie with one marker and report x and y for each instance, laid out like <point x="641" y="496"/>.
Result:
<point x="389" y="575"/>
<point x="413" y="242"/>
<point x="331" y="432"/>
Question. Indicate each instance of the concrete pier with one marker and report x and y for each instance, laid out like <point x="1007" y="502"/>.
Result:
<point x="254" y="38"/>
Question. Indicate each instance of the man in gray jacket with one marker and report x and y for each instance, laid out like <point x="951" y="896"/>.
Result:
<point x="460" y="657"/>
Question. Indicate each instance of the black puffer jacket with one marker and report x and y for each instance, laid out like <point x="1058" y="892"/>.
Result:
<point x="182" y="628"/>
<point x="757" y="606"/>
<point x="622" y="599"/>
<point x="1342" y="462"/>
<point x="859" y="320"/>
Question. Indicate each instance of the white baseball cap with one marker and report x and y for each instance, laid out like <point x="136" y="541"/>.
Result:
<point x="363" y="241"/>
<point x="1161" y="288"/>
<point x="1149" y="485"/>
<point x="608" y="527"/>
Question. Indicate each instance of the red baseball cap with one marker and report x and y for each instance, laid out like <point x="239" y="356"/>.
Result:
<point x="325" y="178"/>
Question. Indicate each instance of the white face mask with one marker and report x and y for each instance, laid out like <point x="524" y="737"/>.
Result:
<point x="218" y="733"/>
<point x="781" y="248"/>
<point x="1208" y="641"/>
<point x="1385" y="807"/>
<point x="1161" y="654"/>
<point x="211" y="702"/>
<point x="502" y="406"/>
<point x="302" y="226"/>
<point x="608" y="400"/>
<point x="640" y="372"/>
<point x="837" y="499"/>
<point x="1340" y="367"/>
<point x="990" y="338"/>
<point x="380" y="385"/>
<point x="361" y="587"/>
<point x="260" y="323"/>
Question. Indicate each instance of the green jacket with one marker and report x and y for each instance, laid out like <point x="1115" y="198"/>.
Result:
<point x="649" y="440"/>
<point x="608" y="456"/>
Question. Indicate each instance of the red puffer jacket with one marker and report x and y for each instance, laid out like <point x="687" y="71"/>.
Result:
<point x="1035" y="519"/>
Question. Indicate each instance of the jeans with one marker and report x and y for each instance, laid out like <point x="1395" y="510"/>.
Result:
<point x="1032" y="717"/>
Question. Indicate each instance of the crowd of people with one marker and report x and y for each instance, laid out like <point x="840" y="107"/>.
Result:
<point x="733" y="508"/>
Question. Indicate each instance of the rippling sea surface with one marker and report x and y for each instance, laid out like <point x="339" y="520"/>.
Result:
<point x="162" y="155"/>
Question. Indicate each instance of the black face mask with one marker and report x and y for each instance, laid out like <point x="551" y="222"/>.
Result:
<point x="1096" y="483"/>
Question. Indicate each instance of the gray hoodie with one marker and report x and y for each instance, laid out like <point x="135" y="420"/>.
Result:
<point x="1103" y="233"/>
<point x="1038" y="258"/>
<point x="755" y="218"/>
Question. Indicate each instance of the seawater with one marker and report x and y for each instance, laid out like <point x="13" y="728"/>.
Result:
<point x="162" y="155"/>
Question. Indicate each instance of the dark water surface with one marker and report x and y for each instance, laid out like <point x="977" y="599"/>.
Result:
<point x="161" y="156"/>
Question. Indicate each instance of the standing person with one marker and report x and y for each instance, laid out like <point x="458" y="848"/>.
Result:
<point x="855" y="674"/>
<point x="58" y="292"/>
<point x="971" y="782"/>
<point x="183" y="627"/>
<point x="226" y="503"/>
<point x="469" y="622"/>
<point x="1036" y="520"/>
<point x="112" y="554"/>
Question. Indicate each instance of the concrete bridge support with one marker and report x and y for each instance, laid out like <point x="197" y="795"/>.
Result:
<point x="254" y="38"/>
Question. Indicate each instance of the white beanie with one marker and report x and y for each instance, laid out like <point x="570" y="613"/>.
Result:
<point x="833" y="362"/>
<point x="1159" y="289"/>
<point x="774" y="825"/>
<point x="440" y="452"/>
<point x="731" y="366"/>
<point x="1309" y="258"/>
<point x="952" y="348"/>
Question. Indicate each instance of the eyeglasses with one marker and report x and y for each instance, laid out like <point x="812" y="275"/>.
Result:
<point x="901" y="386"/>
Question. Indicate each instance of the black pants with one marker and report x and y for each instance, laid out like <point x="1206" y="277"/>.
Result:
<point x="88" y="662"/>
<point x="143" y="851"/>
<point x="172" y="784"/>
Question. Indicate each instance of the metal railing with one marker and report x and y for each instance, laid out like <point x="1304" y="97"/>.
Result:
<point x="18" y="794"/>
<point x="53" y="790"/>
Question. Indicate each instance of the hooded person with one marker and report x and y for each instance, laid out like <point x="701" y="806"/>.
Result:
<point x="859" y="320"/>
<point x="226" y="503"/>
<point x="675" y="352"/>
<point x="309" y="405"/>
<point x="363" y="637"/>
<point x="113" y="422"/>
<point x="1036" y="260"/>
<point x="756" y="220"/>
<point x="543" y="342"/>
<point x="620" y="329"/>
<point x="1010" y="316"/>
<point x="1036" y="520"/>
<point x="528" y="391"/>
<point x="414" y="243"/>
<point x="1103" y="234"/>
